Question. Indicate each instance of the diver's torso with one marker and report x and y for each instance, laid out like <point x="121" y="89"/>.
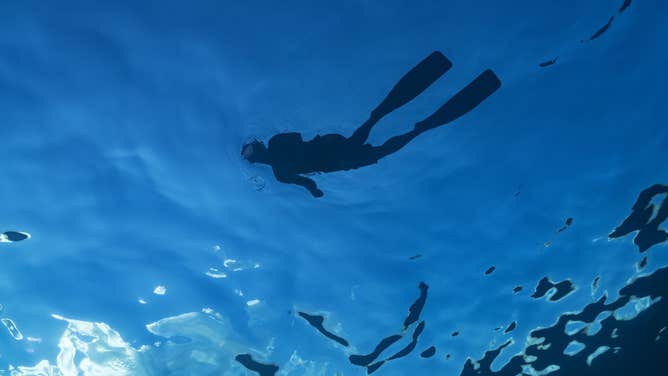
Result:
<point x="327" y="153"/>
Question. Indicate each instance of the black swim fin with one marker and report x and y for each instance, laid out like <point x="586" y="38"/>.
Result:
<point x="464" y="101"/>
<point x="413" y="83"/>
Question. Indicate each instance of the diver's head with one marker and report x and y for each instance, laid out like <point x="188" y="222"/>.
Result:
<point x="254" y="152"/>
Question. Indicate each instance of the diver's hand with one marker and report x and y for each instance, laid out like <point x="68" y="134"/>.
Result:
<point x="305" y="182"/>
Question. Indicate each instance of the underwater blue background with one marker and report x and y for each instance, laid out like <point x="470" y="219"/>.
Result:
<point x="122" y="124"/>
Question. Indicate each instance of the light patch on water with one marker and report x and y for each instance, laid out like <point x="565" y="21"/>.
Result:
<point x="12" y="328"/>
<point x="595" y="326"/>
<point x="529" y="370"/>
<point x="229" y="262"/>
<point x="141" y="301"/>
<point x="213" y="314"/>
<point x="660" y="334"/>
<point x="545" y="346"/>
<point x="237" y="266"/>
<point x="573" y="327"/>
<point x="573" y="348"/>
<point x="215" y="273"/>
<point x="88" y="348"/>
<point x="160" y="290"/>
<point x="42" y="368"/>
<point x="253" y="302"/>
<point x="95" y="349"/>
<point x="633" y="308"/>
<point x="656" y="202"/>
<point x="216" y="248"/>
<point x="352" y="291"/>
<point x="596" y="353"/>
<point x="238" y="292"/>
<point x="298" y="366"/>
<point x="530" y="341"/>
<point x="33" y="339"/>
<point x="213" y="343"/>
<point x="529" y="358"/>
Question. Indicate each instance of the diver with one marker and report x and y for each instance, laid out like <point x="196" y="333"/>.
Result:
<point x="290" y="156"/>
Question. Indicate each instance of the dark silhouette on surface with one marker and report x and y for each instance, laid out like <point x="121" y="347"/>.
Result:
<point x="625" y="5"/>
<point x="490" y="270"/>
<point x="517" y="289"/>
<point x="646" y="219"/>
<point x="262" y="369"/>
<point x="595" y="283"/>
<point x="636" y="345"/>
<point x="548" y="63"/>
<point x="642" y="263"/>
<point x="562" y="289"/>
<point x="416" y="308"/>
<point x="511" y="327"/>
<point x="365" y="360"/>
<point x="596" y="34"/>
<point x="413" y="316"/>
<point x="316" y="321"/>
<point x="409" y="348"/>
<point x="15" y="236"/>
<point x="429" y="352"/>
<point x="603" y="29"/>
<point x="568" y="224"/>
<point x="403" y="352"/>
<point x="290" y="156"/>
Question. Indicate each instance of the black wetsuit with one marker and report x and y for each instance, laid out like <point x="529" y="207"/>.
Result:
<point x="291" y="156"/>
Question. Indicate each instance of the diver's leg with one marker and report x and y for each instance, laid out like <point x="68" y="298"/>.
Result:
<point x="362" y="133"/>
<point x="412" y="84"/>
<point x="395" y="143"/>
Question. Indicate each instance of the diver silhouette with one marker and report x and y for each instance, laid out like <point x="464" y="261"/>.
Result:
<point x="290" y="156"/>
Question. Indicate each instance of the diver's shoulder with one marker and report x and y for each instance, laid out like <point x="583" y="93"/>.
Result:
<point x="285" y="138"/>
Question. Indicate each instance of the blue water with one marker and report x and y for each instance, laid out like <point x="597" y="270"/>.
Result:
<point x="122" y="124"/>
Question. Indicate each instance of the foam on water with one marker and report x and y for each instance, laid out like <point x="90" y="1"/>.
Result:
<point x="194" y="343"/>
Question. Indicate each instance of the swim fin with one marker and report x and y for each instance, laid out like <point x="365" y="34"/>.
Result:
<point x="413" y="83"/>
<point x="464" y="101"/>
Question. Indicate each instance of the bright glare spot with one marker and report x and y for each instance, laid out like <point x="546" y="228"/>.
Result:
<point x="215" y="273"/>
<point x="160" y="290"/>
<point x="228" y="262"/>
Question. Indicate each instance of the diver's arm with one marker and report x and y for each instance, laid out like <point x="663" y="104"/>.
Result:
<point x="305" y="182"/>
<point x="285" y="140"/>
